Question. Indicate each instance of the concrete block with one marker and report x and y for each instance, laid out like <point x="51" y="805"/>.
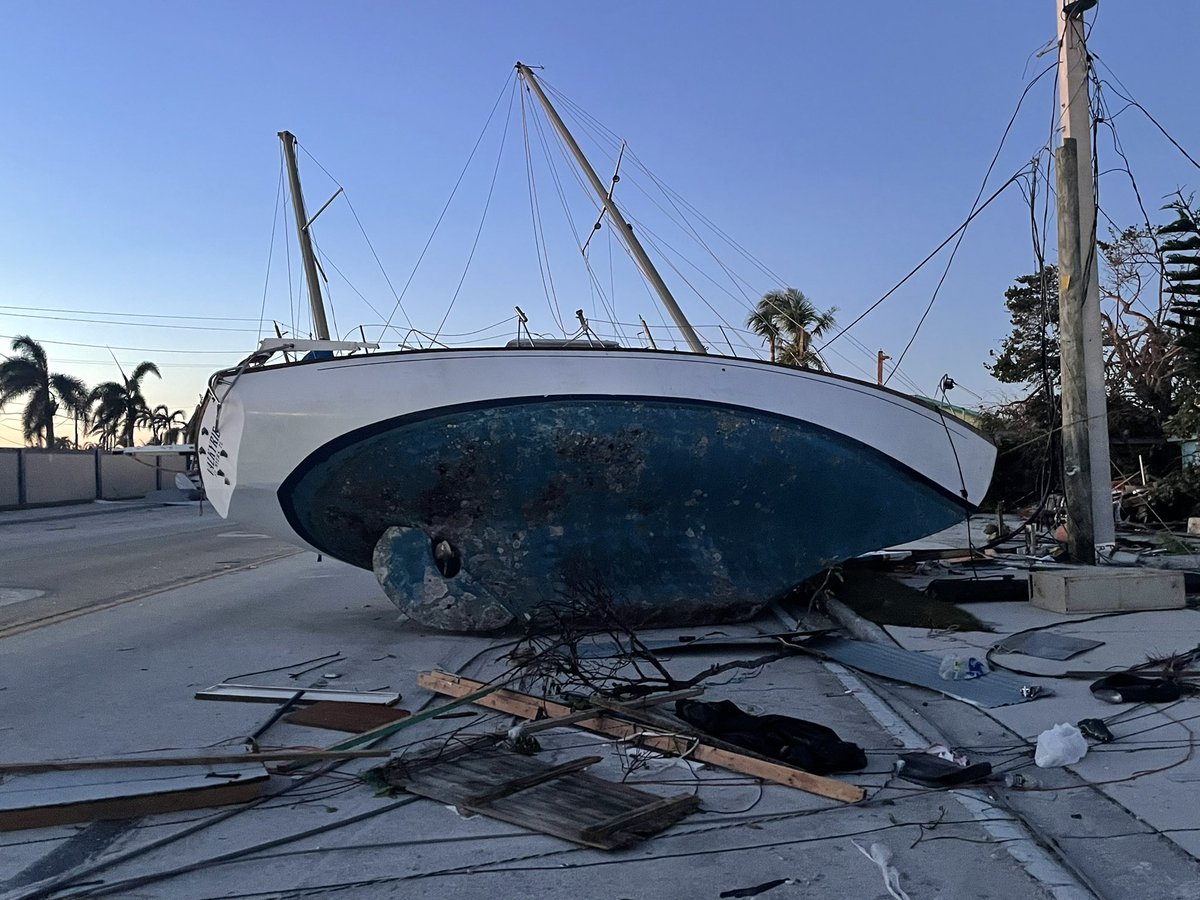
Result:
<point x="1098" y="589"/>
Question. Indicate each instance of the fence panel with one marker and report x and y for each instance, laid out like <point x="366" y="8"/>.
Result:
<point x="10" y="492"/>
<point x="59" y="476"/>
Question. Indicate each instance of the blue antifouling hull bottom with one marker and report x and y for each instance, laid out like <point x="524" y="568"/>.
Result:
<point x="648" y="510"/>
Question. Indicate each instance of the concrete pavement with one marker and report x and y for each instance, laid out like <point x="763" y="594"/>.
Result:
<point x="121" y="679"/>
<point x="58" y="562"/>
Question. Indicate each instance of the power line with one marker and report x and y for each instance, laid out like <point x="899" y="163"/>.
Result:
<point x="9" y="337"/>
<point x="15" y="315"/>
<point x="936" y="250"/>
<point x="100" y="312"/>
<point x="963" y="233"/>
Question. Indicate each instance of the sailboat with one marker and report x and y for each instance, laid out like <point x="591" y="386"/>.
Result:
<point x="544" y="481"/>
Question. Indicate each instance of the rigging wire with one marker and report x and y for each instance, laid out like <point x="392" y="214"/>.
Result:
<point x="482" y="219"/>
<point x="652" y="240"/>
<point x="591" y="125"/>
<point x="328" y="260"/>
<point x="677" y="214"/>
<point x="353" y="212"/>
<point x="680" y="221"/>
<point x="594" y="282"/>
<point x="674" y="199"/>
<point x="293" y="294"/>
<point x="449" y="200"/>
<point x="539" y="236"/>
<point x="262" y="310"/>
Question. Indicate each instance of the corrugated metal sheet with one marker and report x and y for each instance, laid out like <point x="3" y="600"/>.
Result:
<point x="1046" y="645"/>
<point x="921" y="669"/>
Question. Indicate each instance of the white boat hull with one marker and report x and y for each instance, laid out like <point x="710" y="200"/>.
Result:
<point x="685" y="444"/>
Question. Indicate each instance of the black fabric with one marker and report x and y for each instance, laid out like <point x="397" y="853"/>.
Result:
<point x="925" y="768"/>
<point x="806" y="745"/>
<point x="1126" y="688"/>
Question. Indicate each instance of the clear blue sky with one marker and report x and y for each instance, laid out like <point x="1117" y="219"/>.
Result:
<point x="838" y="142"/>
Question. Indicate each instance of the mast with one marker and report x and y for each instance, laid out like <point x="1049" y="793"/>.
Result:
<point x="320" y="325"/>
<point x="1083" y="366"/>
<point x="624" y="229"/>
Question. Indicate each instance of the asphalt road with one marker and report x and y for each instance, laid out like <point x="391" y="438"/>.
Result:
<point x="55" y="563"/>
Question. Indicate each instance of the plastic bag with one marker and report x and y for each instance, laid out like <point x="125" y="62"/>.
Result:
<point x="882" y="857"/>
<point x="956" y="667"/>
<point x="1061" y="745"/>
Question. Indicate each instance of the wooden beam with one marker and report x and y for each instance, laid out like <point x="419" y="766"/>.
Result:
<point x="700" y="749"/>
<point x="222" y="759"/>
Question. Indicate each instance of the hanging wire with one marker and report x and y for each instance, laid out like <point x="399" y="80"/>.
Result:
<point x="870" y="309"/>
<point x="974" y="204"/>
<point x="1125" y="95"/>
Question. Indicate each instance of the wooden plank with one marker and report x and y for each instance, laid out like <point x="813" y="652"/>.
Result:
<point x="345" y="716"/>
<point x="527" y="781"/>
<point x="699" y="749"/>
<point x="219" y="794"/>
<point x="669" y="808"/>
<point x="212" y="759"/>
<point x="39" y="799"/>
<point x="257" y="693"/>
<point x="375" y="735"/>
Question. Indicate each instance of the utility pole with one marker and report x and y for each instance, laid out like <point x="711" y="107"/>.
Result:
<point x="1072" y="288"/>
<point x="623" y="228"/>
<point x="1082" y="371"/>
<point x="880" y="358"/>
<point x="320" y="326"/>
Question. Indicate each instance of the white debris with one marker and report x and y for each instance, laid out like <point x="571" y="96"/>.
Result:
<point x="882" y="857"/>
<point x="1062" y="745"/>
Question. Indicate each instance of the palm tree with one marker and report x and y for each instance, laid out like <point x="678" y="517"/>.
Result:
<point x="164" y="425"/>
<point x="120" y="406"/>
<point x="765" y="320"/>
<point x="28" y="374"/>
<point x="789" y="321"/>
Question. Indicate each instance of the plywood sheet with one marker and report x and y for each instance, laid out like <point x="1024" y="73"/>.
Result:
<point x="343" y="716"/>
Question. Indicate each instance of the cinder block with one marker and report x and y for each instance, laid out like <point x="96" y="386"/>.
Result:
<point x="1095" y="589"/>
